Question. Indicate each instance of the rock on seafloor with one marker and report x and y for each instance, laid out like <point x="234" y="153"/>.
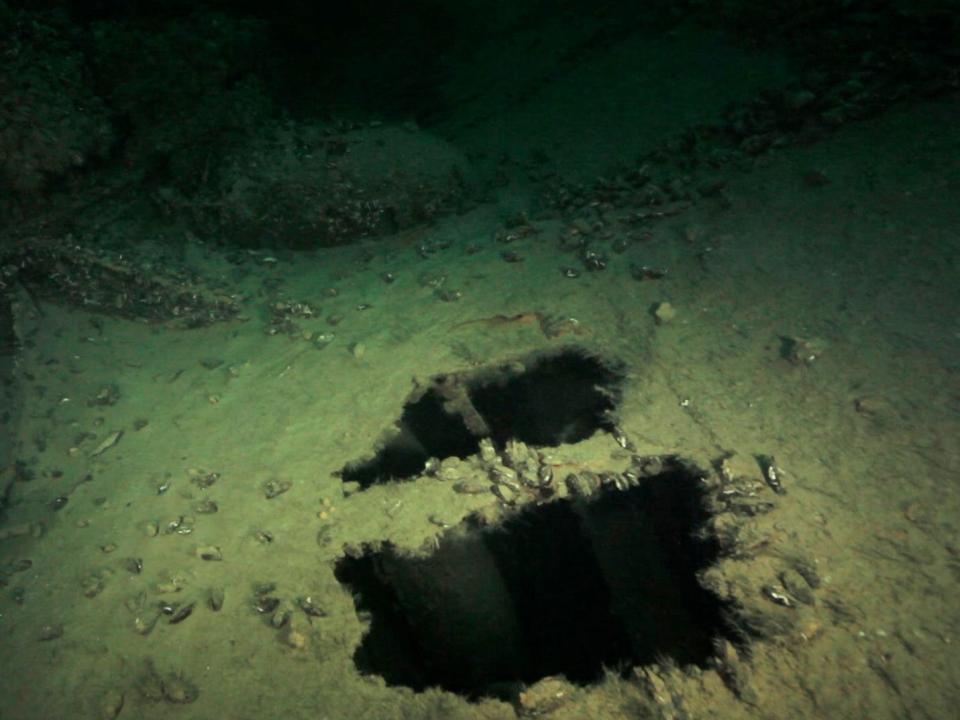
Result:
<point x="111" y="704"/>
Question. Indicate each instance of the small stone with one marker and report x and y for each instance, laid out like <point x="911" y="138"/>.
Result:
<point x="209" y="552"/>
<point x="920" y="514"/>
<point x="295" y="639"/>
<point x="92" y="586"/>
<point x="111" y="704"/>
<point x="144" y="625"/>
<point x="51" y="632"/>
<point x="106" y="395"/>
<point x="281" y="615"/>
<point x="471" y="488"/>
<point x="181" y="525"/>
<point x="205" y="507"/>
<point x="449" y="295"/>
<point x="581" y="485"/>
<point x="488" y="452"/>
<point x="801" y="351"/>
<point x="808" y="572"/>
<point x="151" y="529"/>
<point x="273" y="488"/>
<point x="440" y="521"/>
<point x="545" y="696"/>
<point x="177" y="689"/>
<point x="321" y="340"/>
<point x="135" y="603"/>
<point x="172" y="585"/>
<point x="16" y="531"/>
<point x="260" y="590"/>
<point x="875" y="407"/>
<point x="149" y="684"/>
<point x="664" y="313"/>
<point x="311" y="607"/>
<point x="202" y="478"/>
<point x="215" y="598"/>
<point x="266" y="604"/>
<point x="181" y="613"/>
<point x="358" y="350"/>
<point x="452" y="468"/>
<point x="794" y="584"/>
<point x="507" y="494"/>
<point x="110" y="441"/>
<point x="738" y="467"/>
<point x="108" y="548"/>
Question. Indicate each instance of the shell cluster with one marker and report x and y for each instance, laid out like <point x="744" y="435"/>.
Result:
<point x="517" y="474"/>
<point x="98" y="280"/>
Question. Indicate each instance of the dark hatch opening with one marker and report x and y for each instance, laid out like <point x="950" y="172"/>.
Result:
<point x="570" y="587"/>
<point x="559" y="398"/>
